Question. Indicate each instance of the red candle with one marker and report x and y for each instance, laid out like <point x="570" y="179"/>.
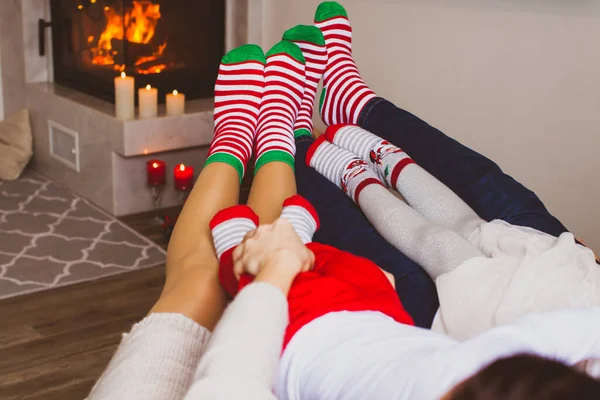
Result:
<point x="184" y="177"/>
<point x="157" y="172"/>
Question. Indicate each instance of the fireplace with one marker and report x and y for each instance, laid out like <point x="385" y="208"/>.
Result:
<point x="169" y="44"/>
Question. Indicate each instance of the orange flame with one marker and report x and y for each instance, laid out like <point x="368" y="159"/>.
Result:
<point x="137" y="25"/>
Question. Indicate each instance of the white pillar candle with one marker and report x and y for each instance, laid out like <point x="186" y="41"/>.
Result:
<point x="175" y="103"/>
<point x="125" y="96"/>
<point x="148" y="101"/>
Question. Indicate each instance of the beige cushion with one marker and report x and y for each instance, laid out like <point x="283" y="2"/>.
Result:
<point x="16" y="145"/>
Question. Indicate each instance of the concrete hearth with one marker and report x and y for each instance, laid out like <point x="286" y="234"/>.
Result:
<point x="109" y="155"/>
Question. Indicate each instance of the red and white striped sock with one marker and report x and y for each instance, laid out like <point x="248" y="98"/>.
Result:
<point x="284" y="88"/>
<point x="229" y="227"/>
<point x="238" y="95"/>
<point x="311" y="42"/>
<point x="303" y="217"/>
<point x="388" y="160"/>
<point x="344" y="92"/>
<point x="341" y="167"/>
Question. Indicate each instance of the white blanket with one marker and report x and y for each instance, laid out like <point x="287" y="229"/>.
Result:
<point x="527" y="271"/>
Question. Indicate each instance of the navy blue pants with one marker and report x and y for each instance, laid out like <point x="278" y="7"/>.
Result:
<point x="473" y="177"/>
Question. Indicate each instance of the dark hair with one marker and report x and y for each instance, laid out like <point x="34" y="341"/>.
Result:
<point x="527" y="377"/>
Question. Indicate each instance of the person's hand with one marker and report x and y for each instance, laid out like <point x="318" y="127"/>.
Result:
<point x="274" y="251"/>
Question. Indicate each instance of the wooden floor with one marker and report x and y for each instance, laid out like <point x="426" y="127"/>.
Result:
<point x="55" y="344"/>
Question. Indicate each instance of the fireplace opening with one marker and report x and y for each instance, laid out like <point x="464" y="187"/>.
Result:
<point x="169" y="44"/>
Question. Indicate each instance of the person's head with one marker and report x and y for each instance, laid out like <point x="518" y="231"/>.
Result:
<point x="526" y="377"/>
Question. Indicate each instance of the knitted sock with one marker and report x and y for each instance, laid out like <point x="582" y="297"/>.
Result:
<point x="284" y="87"/>
<point x="419" y="188"/>
<point x="344" y="92"/>
<point x="303" y="217"/>
<point x="238" y="94"/>
<point x="341" y="167"/>
<point x="311" y="42"/>
<point x="387" y="159"/>
<point x="229" y="227"/>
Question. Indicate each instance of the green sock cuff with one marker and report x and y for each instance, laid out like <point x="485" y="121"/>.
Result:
<point x="305" y="33"/>
<point x="227" y="159"/>
<point x="289" y="48"/>
<point x="247" y="52"/>
<point x="272" y="156"/>
<point x="328" y="10"/>
<point x="302" y="132"/>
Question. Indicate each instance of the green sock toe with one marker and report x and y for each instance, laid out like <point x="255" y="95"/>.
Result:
<point x="328" y="10"/>
<point x="247" y="52"/>
<point x="302" y="132"/>
<point x="289" y="48"/>
<point x="305" y="33"/>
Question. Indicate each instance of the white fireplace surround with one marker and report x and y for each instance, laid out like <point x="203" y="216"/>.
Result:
<point x="111" y="154"/>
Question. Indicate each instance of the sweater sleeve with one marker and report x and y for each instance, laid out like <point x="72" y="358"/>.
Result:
<point x="568" y="336"/>
<point x="242" y="356"/>
<point x="156" y="360"/>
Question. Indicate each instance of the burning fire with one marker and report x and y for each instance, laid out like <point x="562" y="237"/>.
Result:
<point x="137" y="26"/>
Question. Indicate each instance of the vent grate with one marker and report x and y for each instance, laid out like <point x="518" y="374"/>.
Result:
<point x="64" y="145"/>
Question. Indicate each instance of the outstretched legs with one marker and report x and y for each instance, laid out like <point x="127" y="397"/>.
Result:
<point x="438" y="249"/>
<point x="343" y="225"/>
<point x="479" y="182"/>
<point x="192" y="286"/>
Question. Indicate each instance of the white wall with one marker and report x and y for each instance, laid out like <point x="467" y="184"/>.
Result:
<point x="518" y="80"/>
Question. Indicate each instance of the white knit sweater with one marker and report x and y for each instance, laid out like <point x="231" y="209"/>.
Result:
<point x="161" y="357"/>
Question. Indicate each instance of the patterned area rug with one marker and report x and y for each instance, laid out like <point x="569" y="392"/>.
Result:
<point x="49" y="238"/>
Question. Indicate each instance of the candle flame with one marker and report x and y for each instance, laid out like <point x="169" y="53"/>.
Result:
<point x="155" y="165"/>
<point x="123" y="75"/>
<point x="175" y="92"/>
<point x="145" y="151"/>
<point x="181" y="167"/>
<point x="148" y="87"/>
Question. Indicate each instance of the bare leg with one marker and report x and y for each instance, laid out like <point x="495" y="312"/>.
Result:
<point x="192" y="287"/>
<point x="272" y="184"/>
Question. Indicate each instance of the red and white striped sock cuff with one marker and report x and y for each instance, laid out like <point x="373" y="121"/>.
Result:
<point x="230" y="226"/>
<point x="302" y="216"/>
